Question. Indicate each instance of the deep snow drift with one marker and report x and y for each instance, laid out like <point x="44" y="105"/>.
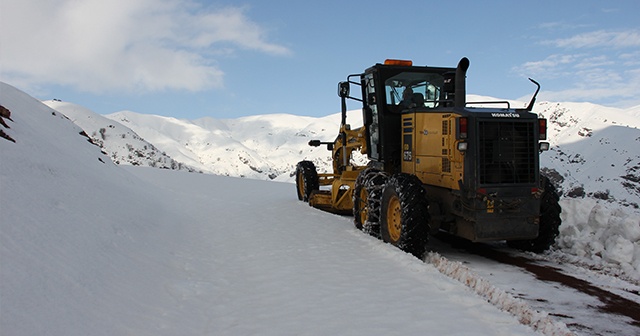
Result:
<point x="92" y="248"/>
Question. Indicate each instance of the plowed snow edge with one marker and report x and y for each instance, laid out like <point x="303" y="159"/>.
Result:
<point x="539" y="321"/>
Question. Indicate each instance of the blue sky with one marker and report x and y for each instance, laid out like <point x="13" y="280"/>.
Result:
<point x="226" y="59"/>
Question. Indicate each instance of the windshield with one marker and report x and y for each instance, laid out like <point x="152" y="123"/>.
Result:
<point x="414" y="89"/>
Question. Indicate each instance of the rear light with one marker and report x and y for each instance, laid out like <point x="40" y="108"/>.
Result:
<point x="544" y="146"/>
<point x="463" y="127"/>
<point x="398" y="62"/>
<point x="542" y="129"/>
<point x="462" y="146"/>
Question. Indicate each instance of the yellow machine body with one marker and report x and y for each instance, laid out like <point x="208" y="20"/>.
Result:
<point x="430" y="149"/>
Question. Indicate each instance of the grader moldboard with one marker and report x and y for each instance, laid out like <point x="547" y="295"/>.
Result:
<point x="437" y="163"/>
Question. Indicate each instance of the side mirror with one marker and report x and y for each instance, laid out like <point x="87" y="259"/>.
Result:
<point x="343" y="89"/>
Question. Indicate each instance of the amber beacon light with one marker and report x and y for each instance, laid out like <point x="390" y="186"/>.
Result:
<point x="398" y="62"/>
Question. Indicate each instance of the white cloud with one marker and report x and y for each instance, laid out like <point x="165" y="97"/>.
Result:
<point x="560" y="25"/>
<point x="600" y="86"/>
<point x="123" y="45"/>
<point x="630" y="59"/>
<point x="606" y="70"/>
<point x="600" y="38"/>
<point x="594" y="61"/>
<point x="551" y="67"/>
<point x="583" y="77"/>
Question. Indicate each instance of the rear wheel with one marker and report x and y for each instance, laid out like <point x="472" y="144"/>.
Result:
<point x="549" y="222"/>
<point x="404" y="216"/>
<point x="366" y="200"/>
<point x="306" y="180"/>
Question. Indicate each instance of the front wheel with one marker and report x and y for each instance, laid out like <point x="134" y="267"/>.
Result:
<point x="306" y="180"/>
<point x="366" y="200"/>
<point x="549" y="222"/>
<point x="404" y="217"/>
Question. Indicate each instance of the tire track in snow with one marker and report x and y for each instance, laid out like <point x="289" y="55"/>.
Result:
<point x="585" y="304"/>
<point x="539" y="321"/>
<point x="613" y="304"/>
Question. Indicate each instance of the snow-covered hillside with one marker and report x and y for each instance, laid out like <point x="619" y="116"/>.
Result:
<point x="261" y="147"/>
<point x="92" y="248"/>
<point x="123" y="145"/>
<point x="595" y="150"/>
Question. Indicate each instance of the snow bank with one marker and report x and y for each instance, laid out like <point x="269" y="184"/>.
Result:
<point x="601" y="235"/>
<point x="521" y="310"/>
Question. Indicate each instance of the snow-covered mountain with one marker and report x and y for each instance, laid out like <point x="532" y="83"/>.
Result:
<point x="595" y="150"/>
<point x="123" y="145"/>
<point x="261" y="147"/>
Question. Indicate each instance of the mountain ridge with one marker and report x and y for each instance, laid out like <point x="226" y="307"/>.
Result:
<point x="594" y="149"/>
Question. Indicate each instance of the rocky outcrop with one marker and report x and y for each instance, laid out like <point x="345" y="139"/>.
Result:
<point x="5" y="114"/>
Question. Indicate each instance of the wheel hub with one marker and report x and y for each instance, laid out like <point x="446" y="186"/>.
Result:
<point x="394" y="219"/>
<point x="364" y="213"/>
<point x="300" y="184"/>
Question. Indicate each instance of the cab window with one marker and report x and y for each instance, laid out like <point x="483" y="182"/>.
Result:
<point x="414" y="89"/>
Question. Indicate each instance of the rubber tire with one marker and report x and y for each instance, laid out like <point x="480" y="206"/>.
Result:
<point x="411" y="211"/>
<point x="306" y="180"/>
<point x="549" y="222"/>
<point x="370" y="181"/>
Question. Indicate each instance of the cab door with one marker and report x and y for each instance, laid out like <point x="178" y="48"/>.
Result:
<point x="372" y="118"/>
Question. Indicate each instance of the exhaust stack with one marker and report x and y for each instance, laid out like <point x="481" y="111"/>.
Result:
<point x="460" y="83"/>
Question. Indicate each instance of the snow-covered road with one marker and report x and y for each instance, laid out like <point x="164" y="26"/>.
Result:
<point x="588" y="302"/>
<point x="265" y="263"/>
<point x="158" y="252"/>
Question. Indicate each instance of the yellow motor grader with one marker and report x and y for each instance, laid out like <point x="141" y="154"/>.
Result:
<point x="437" y="163"/>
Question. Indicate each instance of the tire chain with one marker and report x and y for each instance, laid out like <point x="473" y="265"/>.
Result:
<point x="374" y="181"/>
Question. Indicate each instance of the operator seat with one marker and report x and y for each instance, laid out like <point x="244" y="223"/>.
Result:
<point x="417" y="99"/>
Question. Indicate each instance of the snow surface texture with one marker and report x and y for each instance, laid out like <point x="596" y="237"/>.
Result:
<point x="503" y="300"/>
<point x="92" y="248"/>
<point x="594" y="161"/>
